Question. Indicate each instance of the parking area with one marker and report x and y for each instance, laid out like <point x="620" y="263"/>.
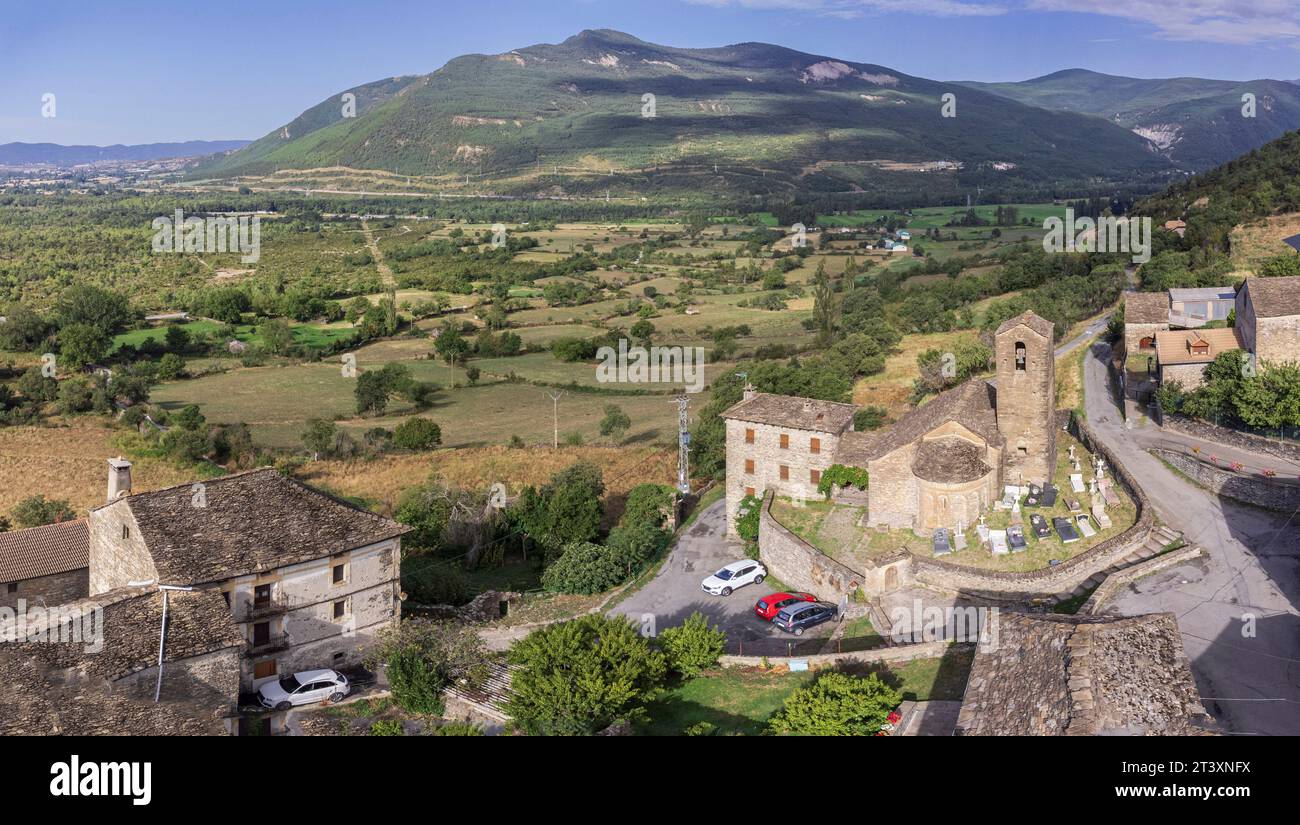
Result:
<point x="673" y="595"/>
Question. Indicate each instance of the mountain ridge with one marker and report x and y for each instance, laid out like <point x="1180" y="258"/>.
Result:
<point x="57" y="154"/>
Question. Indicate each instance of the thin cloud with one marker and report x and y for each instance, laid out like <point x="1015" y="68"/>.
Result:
<point x="1235" y="22"/>
<point x="849" y="9"/>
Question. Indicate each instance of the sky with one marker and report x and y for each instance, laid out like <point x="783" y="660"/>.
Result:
<point x="129" y="71"/>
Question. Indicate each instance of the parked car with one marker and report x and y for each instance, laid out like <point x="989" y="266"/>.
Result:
<point x="734" y="575"/>
<point x="768" y="606"/>
<point x="303" y="689"/>
<point x="799" y="617"/>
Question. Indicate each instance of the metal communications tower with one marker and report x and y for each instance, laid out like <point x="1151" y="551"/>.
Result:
<point x="683" y="445"/>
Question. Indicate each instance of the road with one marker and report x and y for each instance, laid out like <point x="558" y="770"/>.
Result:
<point x="674" y="594"/>
<point x="1237" y="608"/>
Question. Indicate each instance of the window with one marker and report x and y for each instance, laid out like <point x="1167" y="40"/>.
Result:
<point x="338" y="658"/>
<point x="261" y="595"/>
<point x="749" y="491"/>
<point x="785" y="473"/>
<point x="264" y="670"/>
<point x="785" y="441"/>
<point x="815" y="446"/>
<point x="341" y="609"/>
<point x="749" y="466"/>
<point x="815" y="476"/>
<point x="1020" y="356"/>
<point x="339" y="573"/>
<point x="12" y="587"/>
<point x="126" y="532"/>
<point x="261" y="634"/>
<point x="225" y="594"/>
<point x="749" y="436"/>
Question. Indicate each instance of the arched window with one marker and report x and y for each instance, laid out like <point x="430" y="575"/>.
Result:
<point x="1147" y="343"/>
<point x="1020" y="355"/>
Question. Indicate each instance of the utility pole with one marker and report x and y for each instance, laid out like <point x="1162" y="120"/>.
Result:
<point x="683" y="445"/>
<point x="555" y="402"/>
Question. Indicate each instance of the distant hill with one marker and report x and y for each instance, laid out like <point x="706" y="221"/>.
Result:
<point x="1197" y="123"/>
<point x="1263" y="182"/>
<point x="15" y="154"/>
<point x="770" y="118"/>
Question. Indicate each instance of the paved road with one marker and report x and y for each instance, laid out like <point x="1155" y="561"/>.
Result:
<point x="673" y="595"/>
<point x="1251" y="683"/>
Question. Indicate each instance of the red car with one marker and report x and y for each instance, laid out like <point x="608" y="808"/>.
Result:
<point x="768" y="606"/>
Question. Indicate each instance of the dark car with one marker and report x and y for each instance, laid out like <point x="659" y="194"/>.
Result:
<point x="769" y="606"/>
<point x="799" y="617"/>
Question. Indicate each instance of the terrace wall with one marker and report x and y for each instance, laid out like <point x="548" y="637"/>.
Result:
<point x="1272" y="495"/>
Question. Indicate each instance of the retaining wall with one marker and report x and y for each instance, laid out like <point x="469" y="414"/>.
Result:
<point x="1221" y="481"/>
<point x="901" y="653"/>
<point x="1232" y="438"/>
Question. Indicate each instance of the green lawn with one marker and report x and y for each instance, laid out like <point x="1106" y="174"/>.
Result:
<point x="741" y="700"/>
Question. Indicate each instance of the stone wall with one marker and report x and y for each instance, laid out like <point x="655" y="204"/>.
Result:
<point x="798" y="564"/>
<point x="902" y="653"/>
<point x="1261" y="492"/>
<point x="1190" y="376"/>
<point x="55" y="589"/>
<point x="1277" y="339"/>
<point x="1128" y="575"/>
<point x="1232" y="438"/>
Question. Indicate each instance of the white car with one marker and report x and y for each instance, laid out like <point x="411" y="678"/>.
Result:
<point x="303" y="689"/>
<point x="734" y="575"/>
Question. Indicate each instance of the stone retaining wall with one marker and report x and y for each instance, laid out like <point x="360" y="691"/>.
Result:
<point x="797" y="563"/>
<point x="1232" y="438"/>
<point x="1224" y="482"/>
<point x="1128" y="575"/>
<point x="901" y="653"/>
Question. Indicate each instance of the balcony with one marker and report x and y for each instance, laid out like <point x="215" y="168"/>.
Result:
<point x="261" y="608"/>
<point x="270" y="643"/>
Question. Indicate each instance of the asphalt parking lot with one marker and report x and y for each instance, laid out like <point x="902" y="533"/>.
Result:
<point x="672" y="596"/>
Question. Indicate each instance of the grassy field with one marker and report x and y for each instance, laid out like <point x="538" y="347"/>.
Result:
<point x="740" y="701"/>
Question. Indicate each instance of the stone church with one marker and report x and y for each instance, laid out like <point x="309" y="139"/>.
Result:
<point x="940" y="465"/>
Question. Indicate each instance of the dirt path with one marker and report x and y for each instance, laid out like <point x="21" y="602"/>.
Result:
<point x="372" y="243"/>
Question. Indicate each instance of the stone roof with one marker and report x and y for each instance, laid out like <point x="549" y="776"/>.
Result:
<point x="1146" y="308"/>
<point x="793" y="412"/>
<point x="970" y="404"/>
<point x="68" y="687"/>
<point x="949" y="460"/>
<point x="1082" y="676"/>
<point x="252" y="522"/>
<point x="44" y="551"/>
<point x="1040" y="325"/>
<point x="1178" y="346"/>
<point x="1274" y="297"/>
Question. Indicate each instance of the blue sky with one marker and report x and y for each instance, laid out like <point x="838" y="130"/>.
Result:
<point x="137" y="72"/>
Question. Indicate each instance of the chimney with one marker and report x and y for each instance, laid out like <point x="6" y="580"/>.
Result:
<point x="749" y="392"/>
<point x="119" y="479"/>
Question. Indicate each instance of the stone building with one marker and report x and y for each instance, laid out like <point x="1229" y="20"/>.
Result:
<point x="1268" y="318"/>
<point x="780" y="443"/>
<point x="44" y="565"/>
<point x="1073" y="676"/>
<point x="1192" y="308"/>
<point x="1182" y="355"/>
<point x="940" y="465"/>
<point x="1145" y="314"/>
<point x="308" y="578"/>
<point x="102" y="679"/>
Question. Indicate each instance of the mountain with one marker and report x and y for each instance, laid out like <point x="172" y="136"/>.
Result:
<point x="561" y="117"/>
<point x="53" y="154"/>
<point x="1197" y="123"/>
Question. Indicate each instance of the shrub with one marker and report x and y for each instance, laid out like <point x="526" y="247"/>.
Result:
<point x="579" y="677"/>
<point x="415" y="434"/>
<point x="457" y="729"/>
<point x="584" y="568"/>
<point x="692" y="647"/>
<point x="837" y="704"/>
<point x="387" y="727"/>
<point x="37" y="510"/>
<point x="423" y="657"/>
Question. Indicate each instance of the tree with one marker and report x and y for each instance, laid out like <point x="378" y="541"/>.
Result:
<point x="584" y="568"/>
<point x="371" y="393"/>
<point x="84" y="304"/>
<point x="277" y="336"/>
<point x="423" y="657"/>
<point x="318" y="438"/>
<point x="642" y="332"/>
<point x="170" y="367"/>
<point x="693" y="647"/>
<point x="36" y="387"/>
<point x="869" y="418"/>
<point x="82" y="344"/>
<point x="837" y="704"/>
<point x="176" y="338"/>
<point x="823" y="305"/>
<point x="189" y="417"/>
<point x="23" y="329"/>
<point x="451" y="346"/>
<point x="579" y="677"/>
<point x="565" y="511"/>
<point x="416" y="434"/>
<point x="615" y="423"/>
<point x="426" y="508"/>
<point x="37" y="510"/>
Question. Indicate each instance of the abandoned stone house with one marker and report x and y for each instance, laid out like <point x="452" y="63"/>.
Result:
<point x="1268" y="318"/>
<point x="44" y="565"/>
<point x="941" y="465"/>
<point x="1075" y="676"/>
<point x="299" y="580"/>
